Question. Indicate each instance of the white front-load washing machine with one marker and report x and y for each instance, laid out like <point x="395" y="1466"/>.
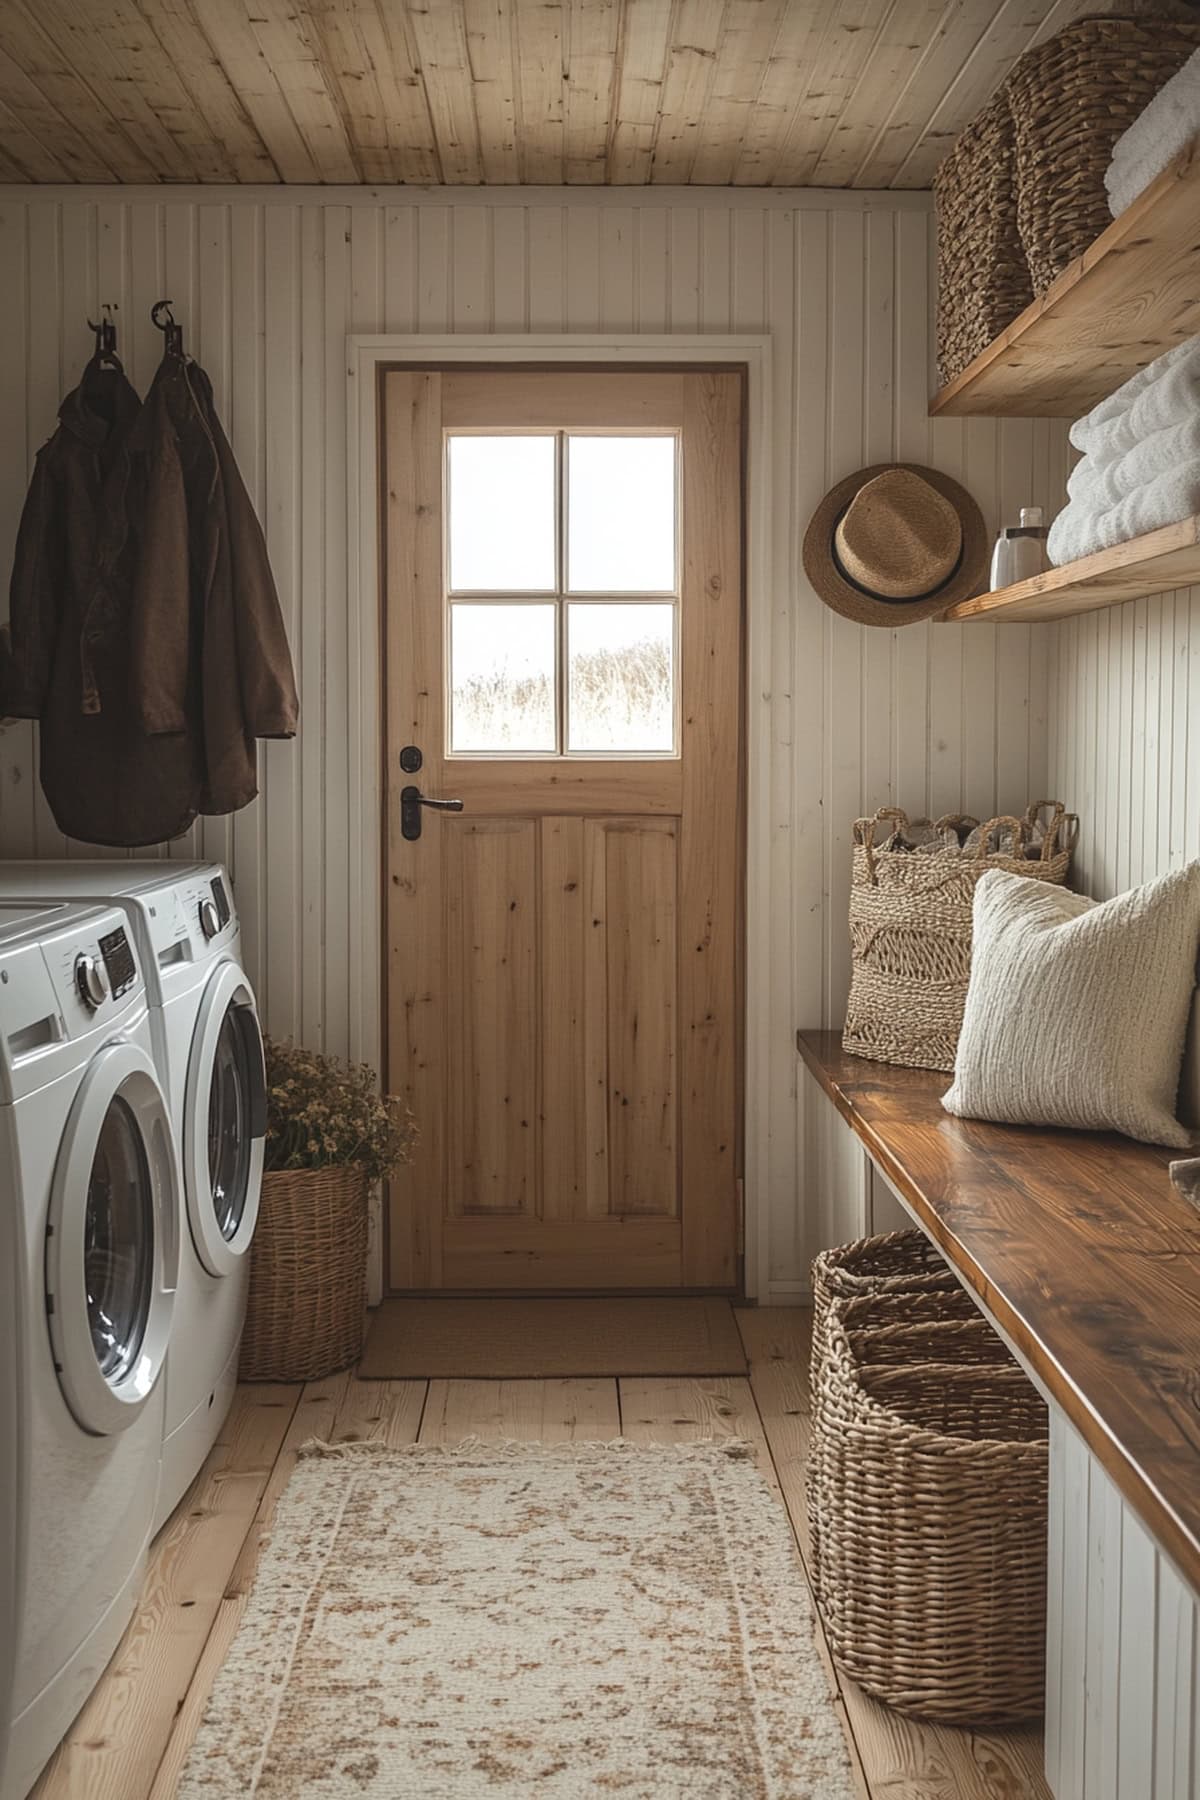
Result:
<point x="91" y="1221"/>
<point x="209" y="1050"/>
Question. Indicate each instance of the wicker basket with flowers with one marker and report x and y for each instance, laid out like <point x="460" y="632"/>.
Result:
<point x="330" y="1136"/>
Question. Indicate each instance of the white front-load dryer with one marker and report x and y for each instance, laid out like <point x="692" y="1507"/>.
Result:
<point x="92" y="1222"/>
<point x="209" y="1051"/>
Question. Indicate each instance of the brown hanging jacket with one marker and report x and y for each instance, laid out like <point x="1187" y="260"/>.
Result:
<point x="146" y="631"/>
<point x="79" y="602"/>
<point x="231" y="676"/>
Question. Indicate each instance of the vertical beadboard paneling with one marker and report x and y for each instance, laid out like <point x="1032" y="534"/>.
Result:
<point x="330" y="850"/>
<point x="211" y="343"/>
<point x="842" y="359"/>
<point x="794" y="693"/>
<point x="544" y="299"/>
<point x="1125" y="747"/>
<point x="285" y="278"/>
<point x="45" y="363"/>
<point x="180" y="285"/>
<point x="932" y="717"/>
<point x="652" y="269"/>
<point x="246" y="426"/>
<point x="322" y="636"/>
<point x="18" y="446"/>
<point x="583" y="265"/>
<point x="1121" y="1679"/>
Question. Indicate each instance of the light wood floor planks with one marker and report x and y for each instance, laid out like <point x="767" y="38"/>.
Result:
<point x="131" y="1739"/>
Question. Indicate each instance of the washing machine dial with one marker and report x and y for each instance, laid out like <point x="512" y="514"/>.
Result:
<point x="210" y="923"/>
<point x="91" y="980"/>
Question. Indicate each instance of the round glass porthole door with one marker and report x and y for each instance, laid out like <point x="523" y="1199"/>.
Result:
<point x="225" y="1122"/>
<point x="230" y="1134"/>
<point x="118" y="1253"/>
<point x="112" y="1242"/>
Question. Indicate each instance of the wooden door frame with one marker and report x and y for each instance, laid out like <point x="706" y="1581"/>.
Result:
<point x="766" y="568"/>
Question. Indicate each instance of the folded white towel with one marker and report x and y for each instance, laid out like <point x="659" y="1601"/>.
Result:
<point x="1109" y="430"/>
<point x="1171" y="400"/>
<point x="1093" y="483"/>
<point x="1155" y="454"/>
<point x="1173" y="495"/>
<point x="1100" y="482"/>
<point x="1080" y="530"/>
<point x="1157" y="135"/>
<point x="1076" y="532"/>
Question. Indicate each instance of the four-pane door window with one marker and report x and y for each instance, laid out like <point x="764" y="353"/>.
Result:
<point x="562" y="582"/>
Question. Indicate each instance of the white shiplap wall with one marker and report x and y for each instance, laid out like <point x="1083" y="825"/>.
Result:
<point x="1122" y="1644"/>
<point x="268" y="285"/>
<point x="1125" y="737"/>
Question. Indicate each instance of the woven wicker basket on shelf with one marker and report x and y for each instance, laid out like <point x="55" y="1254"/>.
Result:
<point x="931" y="1499"/>
<point x="308" y="1271"/>
<point x="1070" y="99"/>
<point x="983" y="277"/>
<point x="910" y="930"/>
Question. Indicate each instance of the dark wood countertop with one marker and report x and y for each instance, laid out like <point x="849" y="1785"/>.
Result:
<point x="1082" y="1251"/>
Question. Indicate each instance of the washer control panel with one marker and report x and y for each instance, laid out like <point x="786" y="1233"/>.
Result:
<point x="215" y="910"/>
<point x="118" y="961"/>
<point x="91" y="980"/>
<point x="221" y="902"/>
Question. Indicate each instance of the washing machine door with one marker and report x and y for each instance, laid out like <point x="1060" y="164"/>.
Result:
<point x="112" y="1241"/>
<point x="225" y="1122"/>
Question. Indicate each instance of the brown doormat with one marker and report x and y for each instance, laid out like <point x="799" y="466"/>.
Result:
<point x="495" y="1339"/>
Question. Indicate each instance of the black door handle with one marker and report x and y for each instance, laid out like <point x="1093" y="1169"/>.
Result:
<point x="411" y="802"/>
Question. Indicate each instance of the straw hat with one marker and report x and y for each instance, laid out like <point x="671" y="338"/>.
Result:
<point x="895" y="543"/>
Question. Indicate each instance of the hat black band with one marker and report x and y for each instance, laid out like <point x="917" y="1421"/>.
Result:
<point x="889" y="599"/>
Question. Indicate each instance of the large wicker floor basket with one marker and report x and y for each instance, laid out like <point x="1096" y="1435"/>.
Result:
<point x="902" y="1267"/>
<point x="910" y="928"/>
<point x="308" y="1273"/>
<point x="904" y="1280"/>
<point x="1070" y="100"/>
<point x="932" y="1515"/>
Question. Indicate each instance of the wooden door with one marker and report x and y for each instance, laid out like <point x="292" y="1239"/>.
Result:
<point x="563" y="624"/>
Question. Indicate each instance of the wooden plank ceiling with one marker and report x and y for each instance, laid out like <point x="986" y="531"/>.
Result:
<point x="766" y="93"/>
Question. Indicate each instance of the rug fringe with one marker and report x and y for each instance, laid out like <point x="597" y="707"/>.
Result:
<point x="517" y="1449"/>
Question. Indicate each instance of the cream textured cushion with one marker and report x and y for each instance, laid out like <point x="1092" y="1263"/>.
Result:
<point x="1077" y="1009"/>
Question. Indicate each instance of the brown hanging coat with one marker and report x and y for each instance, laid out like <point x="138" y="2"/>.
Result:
<point x="80" y="604"/>
<point x="146" y="630"/>
<point x="233" y="673"/>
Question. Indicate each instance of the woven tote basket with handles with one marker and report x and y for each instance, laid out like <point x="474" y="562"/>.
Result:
<point x="1070" y="100"/>
<point x="983" y="277"/>
<point x="931" y="1495"/>
<point x="910" y="928"/>
<point x="308" y="1276"/>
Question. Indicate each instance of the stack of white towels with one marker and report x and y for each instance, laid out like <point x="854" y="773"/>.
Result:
<point x="1157" y="135"/>
<point x="1141" y="459"/>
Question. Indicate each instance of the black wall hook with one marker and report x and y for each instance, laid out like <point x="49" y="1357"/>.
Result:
<point x="172" y="331"/>
<point x="106" y="334"/>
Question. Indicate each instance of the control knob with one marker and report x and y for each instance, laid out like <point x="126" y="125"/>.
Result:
<point x="91" y="980"/>
<point x="210" y="922"/>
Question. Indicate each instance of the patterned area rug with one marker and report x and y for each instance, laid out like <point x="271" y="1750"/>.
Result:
<point x="512" y="1620"/>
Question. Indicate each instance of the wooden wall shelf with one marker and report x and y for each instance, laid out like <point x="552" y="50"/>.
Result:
<point x="1168" y="558"/>
<point x="1132" y="294"/>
